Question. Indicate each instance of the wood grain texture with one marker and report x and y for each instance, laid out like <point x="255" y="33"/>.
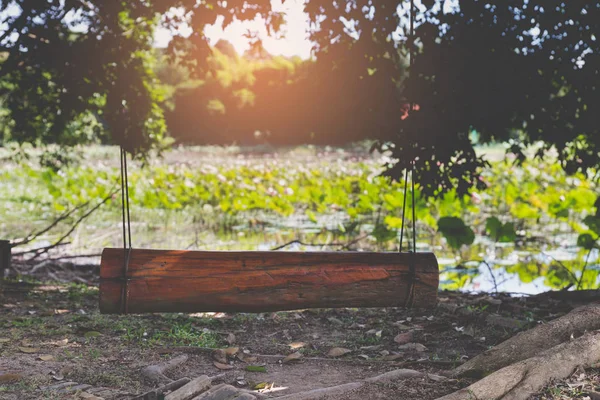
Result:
<point x="256" y="281"/>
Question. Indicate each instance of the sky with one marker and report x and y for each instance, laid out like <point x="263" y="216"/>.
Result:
<point x="294" y="42"/>
<point x="295" y="31"/>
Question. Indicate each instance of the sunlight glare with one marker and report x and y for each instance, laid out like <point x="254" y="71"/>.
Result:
<point x="292" y="40"/>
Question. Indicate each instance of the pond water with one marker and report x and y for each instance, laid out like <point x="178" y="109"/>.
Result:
<point x="309" y="199"/>
<point x="528" y="266"/>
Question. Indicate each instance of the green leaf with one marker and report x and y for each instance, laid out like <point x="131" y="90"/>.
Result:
<point x="492" y="227"/>
<point x="456" y="232"/>
<point x="311" y="216"/>
<point x="256" y="368"/>
<point x="393" y="222"/>
<point x="382" y="234"/>
<point x="392" y="201"/>
<point x="507" y="233"/>
<point x="499" y="232"/>
<point x="586" y="241"/>
<point x="593" y="223"/>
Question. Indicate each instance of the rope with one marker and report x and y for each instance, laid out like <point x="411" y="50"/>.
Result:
<point x="414" y="218"/>
<point x="412" y="164"/>
<point x="403" y="208"/>
<point x="412" y="269"/>
<point x="126" y="230"/>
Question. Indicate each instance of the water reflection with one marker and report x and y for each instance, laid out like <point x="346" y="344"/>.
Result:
<point x="484" y="266"/>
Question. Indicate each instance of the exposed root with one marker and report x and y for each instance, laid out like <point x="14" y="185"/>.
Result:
<point x="346" y="387"/>
<point x="524" y="378"/>
<point x="530" y="343"/>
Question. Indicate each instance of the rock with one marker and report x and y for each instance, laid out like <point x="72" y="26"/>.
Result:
<point x="220" y="356"/>
<point x="225" y="392"/>
<point x="403" y="338"/>
<point x="413" y="346"/>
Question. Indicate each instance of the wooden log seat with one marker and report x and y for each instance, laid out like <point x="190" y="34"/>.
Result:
<point x="257" y="281"/>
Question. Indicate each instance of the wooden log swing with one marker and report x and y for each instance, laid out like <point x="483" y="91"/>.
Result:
<point x="255" y="281"/>
<point x="138" y="281"/>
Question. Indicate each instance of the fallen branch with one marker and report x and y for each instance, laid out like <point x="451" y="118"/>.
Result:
<point x="34" y="235"/>
<point x="22" y="253"/>
<point x="530" y="343"/>
<point x="342" y="246"/>
<point x="524" y="378"/>
<point x="59" y="242"/>
<point x="69" y="257"/>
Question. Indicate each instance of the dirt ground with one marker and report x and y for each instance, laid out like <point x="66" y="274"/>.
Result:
<point x="53" y="333"/>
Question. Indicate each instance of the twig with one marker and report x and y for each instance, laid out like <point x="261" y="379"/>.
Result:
<point x="74" y="256"/>
<point x="297" y="241"/>
<point x="66" y="235"/>
<point x="560" y="264"/>
<point x="34" y="235"/>
<point x="587" y="258"/>
<point x="40" y="248"/>
<point x="492" y="274"/>
<point x="358" y="239"/>
<point x="343" y="246"/>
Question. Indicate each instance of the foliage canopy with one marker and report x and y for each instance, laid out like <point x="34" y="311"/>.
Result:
<point x="520" y="70"/>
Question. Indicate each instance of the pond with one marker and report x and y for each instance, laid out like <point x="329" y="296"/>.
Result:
<point x="532" y="230"/>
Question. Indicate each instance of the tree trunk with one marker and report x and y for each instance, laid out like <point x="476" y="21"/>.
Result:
<point x="194" y="281"/>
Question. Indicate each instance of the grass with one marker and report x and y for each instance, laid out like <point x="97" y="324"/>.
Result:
<point x="365" y="340"/>
<point x="79" y="291"/>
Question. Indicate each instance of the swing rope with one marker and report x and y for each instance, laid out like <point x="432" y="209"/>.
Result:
<point x="126" y="229"/>
<point x="412" y="269"/>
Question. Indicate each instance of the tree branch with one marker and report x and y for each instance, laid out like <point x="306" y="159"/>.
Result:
<point x="342" y="246"/>
<point x="59" y="242"/>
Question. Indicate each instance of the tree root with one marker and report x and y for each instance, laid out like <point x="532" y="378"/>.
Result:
<point x="530" y="343"/>
<point x="155" y="373"/>
<point x="346" y="387"/>
<point x="524" y="378"/>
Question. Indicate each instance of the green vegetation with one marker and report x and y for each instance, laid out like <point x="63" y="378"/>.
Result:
<point x="533" y="221"/>
<point x="519" y="72"/>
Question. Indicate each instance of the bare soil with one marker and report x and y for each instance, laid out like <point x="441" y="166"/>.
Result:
<point x="51" y="333"/>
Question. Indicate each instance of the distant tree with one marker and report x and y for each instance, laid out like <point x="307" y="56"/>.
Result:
<point x="226" y="48"/>
<point x="66" y="60"/>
